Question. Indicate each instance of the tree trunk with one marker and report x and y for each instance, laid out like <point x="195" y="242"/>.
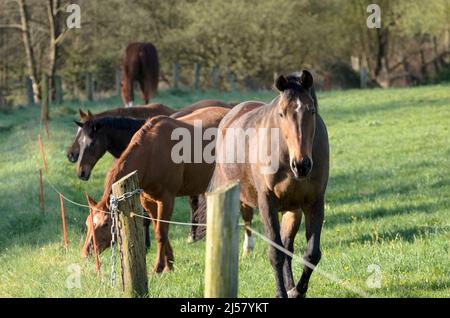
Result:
<point x="31" y="62"/>
<point x="382" y="57"/>
<point x="54" y="31"/>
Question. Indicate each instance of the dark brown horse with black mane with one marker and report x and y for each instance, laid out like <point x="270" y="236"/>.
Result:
<point x="139" y="63"/>
<point x="141" y="112"/>
<point x="162" y="178"/>
<point x="292" y="181"/>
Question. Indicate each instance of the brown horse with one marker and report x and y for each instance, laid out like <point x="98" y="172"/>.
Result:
<point x="293" y="181"/>
<point x="161" y="177"/>
<point x="139" y="63"/>
<point x="140" y="112"/>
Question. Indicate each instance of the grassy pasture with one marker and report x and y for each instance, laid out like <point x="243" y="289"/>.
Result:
<point x="387" y="203"/>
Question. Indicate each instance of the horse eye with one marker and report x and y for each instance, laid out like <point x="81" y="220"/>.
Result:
<point x="281" y="115"/>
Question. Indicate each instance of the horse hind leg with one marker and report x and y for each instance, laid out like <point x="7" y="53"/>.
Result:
<point x="151" y="208"/>
<point x="314" y="215"/>
<point x="249" y="243"/>
<point x="193" y="202"/>
<point x="165" y="209"/>
<point x="290" y="224"/>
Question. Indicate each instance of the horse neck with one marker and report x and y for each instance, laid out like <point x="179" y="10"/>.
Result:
<point x="129" y="161"/>
<point x="119" y="138"/>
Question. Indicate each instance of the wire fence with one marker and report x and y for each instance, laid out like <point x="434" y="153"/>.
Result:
<point x="329" y="276"/>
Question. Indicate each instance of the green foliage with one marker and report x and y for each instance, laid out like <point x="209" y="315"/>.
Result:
<point x="387" y="203"/>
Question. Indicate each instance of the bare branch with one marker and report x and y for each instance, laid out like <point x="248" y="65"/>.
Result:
<point x="11" y="26"/>
<point x="61" y="37"/>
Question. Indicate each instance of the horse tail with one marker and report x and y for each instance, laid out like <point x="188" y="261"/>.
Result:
<point x="200" y="213"/>
<point x="148" y="57"/>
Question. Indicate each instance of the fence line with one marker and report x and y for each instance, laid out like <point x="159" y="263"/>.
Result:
<point x="330" y="277"/>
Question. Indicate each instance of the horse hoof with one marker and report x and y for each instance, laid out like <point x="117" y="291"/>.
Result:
<point x="168" y="269"/>
<point x="247" y="252"/>
<point x="191" y="238"/>
<point x="293" y="293"/>
<point x="158" y="269"/>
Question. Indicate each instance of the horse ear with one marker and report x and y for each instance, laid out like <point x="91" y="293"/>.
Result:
<point x="306" y="79"/>
<point x="91" y="201"/>
<point x="78" y="123"/>
<point x="83" y="115"/>
<point x="90" y="114"/>
<point x="281" y="83"/>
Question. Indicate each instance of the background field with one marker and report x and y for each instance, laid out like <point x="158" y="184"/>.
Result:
<point x="387" y="202"/>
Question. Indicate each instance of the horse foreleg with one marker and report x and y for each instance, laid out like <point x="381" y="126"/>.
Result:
<point x="249" y="243"/>
<point x="269" y="215"/>
<point x="145" y="92"/>
<point x="314" y="215"/>
<point x="289" y="227"/>
<point x="129" y="98"/>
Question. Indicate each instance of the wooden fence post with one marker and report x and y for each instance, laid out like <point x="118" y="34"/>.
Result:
<point x="215" y="74"/>
<point x="176" y="75"/>
<point x="44" y="98"/>
<point x="222" y="242"/>
<point x="29" y="88"/>
<point x="117" y="78"/>
<point x="231" y="80"/>
<point x="197" y="77"/>
<point x="59" y="94"/>
<point x="89" y="87"/>
<point x="131" y="231"/>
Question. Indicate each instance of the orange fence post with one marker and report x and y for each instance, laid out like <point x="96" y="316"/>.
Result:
<point x="91" y="221"/>
<point x="41" y="147"/>
<point x="41" y="191"/>
<point x="46" y="128"/>
<point x="66" y="243"/>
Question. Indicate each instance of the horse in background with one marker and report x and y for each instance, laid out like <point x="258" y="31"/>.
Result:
<point x="139" y="63"/>
<point x="293" y="182"/>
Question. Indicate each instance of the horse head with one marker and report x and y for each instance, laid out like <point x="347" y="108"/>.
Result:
<point x="92" y="146"/>
<point x="74" y="150"/>
<point x="297" y="121"/>
<point x="100" y="225"/>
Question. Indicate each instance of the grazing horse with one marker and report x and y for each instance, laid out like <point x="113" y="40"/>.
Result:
<point x="139" y="63"/>
<point x="162" y="178"/>
<point x="140" y="112"/>
<point x="294" y="182"/>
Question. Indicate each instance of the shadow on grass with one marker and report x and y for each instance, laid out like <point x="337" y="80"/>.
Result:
<point x="407" y="234"/>
<point x="371" y="108"/>
<point x="333" y="220"/>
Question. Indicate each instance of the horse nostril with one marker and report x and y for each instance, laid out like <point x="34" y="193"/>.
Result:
<point x="305" y="166"/>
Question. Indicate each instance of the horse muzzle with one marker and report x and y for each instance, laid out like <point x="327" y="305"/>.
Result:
<point x="72" y="157"/>
<point x="84" y="175"/>
<point x="302" y="168"/>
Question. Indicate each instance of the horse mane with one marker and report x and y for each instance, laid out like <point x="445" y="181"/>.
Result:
<point x="144" y="131"/>
<point x="124" y="123"/>
<point x="295" y="86"/>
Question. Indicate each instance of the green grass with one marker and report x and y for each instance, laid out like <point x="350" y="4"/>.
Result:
<point x="387" y="203"/>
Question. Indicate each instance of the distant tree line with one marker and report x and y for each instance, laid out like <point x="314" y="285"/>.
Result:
<point x="250" y="39"/>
